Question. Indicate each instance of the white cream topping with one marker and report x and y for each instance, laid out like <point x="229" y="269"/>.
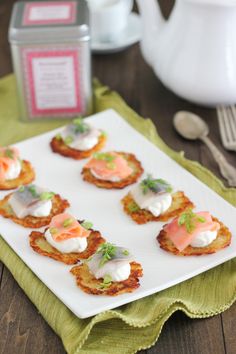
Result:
<point x="25" y="205"/>
<point x="117" y="270"/>
<point x="204" y="238"/>
<point x="14" y="170"/>
<point x="75" y="244"/>
<point x="156" y="203"/>
<point x="111" y="179"/>
<point x="81" y="141"/>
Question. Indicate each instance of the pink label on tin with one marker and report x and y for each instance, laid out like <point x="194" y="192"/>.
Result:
<point x="52" y="82"/>
<point x="51" y="12"/>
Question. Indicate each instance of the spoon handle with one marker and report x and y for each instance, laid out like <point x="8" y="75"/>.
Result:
<point x="226" y="169"/>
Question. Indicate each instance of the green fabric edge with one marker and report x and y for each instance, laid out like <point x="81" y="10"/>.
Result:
<point x="75" y="332"/>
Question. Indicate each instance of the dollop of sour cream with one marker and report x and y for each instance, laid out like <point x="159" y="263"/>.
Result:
<point x="117" y="270"/>
<point x="156" y="203"/>
<point x="75" y="244"/>
<point x="14" y="170"/>
<point x="204" y="238"/>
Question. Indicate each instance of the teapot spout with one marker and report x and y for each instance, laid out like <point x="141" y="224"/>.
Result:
<point x="152" y="22"/>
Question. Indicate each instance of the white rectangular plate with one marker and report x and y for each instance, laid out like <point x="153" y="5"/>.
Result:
<point x="103" y="208"/>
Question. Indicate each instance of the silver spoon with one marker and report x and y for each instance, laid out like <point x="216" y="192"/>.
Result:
<point x="192" y="127"/>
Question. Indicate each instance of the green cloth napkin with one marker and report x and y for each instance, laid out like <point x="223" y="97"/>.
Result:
<point x="137" y="325"/>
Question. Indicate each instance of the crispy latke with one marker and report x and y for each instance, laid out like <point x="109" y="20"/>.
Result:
<point x="89" y="284"/>
<point x="141" y="216"/>
<point x="222" y="240"/>
<point x="40" y="245"/>
<point x="58" y="146"/>
<point x="133" y="163"/>
<point x="58" y="206"/>
<point x="26" y="176"/>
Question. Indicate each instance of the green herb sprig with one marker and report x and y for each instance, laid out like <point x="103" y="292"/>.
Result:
<point x="108" y="158"/>
<point x="108" y="250"/>
<point x="87" y="224"/>
<point x="80" y="125"/>
<point x="155" y="185"/>
<point x="46" y="195"/>
<point x="69" y="139"/>
<point x="33" y="191"/>
<point x="189" y="219"/>
<point x="67" y="222"/>
<point x="107" y="281"/>
<point x="9" y="153"/>
<point x="133" y="207"/>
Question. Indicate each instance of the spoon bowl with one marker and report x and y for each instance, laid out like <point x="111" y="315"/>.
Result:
<point x="189" y="125"/>
<point x="192" y="127"/>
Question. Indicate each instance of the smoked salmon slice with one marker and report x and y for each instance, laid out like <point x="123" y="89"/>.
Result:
<point x="8" y="156"/>
<point x="64" y="227"/>
<point x="179" y="235"/>
<point x="108" y="165"/>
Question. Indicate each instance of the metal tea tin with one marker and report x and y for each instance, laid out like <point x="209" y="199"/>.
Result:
<point x="50" y="44"/>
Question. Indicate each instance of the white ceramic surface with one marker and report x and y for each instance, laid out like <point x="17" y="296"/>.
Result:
<point x="108" y="18"/>
<point x="130" y="35"/>
<point x="104" y="209"/>
<point x="194" y="52"/>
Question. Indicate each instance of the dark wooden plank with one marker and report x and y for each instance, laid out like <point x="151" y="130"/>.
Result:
<point x="182" y="335"/>
<point x="22" y="329"/>
<point x="229" y="325"/>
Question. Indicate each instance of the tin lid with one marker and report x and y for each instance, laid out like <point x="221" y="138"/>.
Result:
<point x="49" y="21"/>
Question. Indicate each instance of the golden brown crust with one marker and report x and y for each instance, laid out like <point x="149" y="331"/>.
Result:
<point x="141" y="216"/>
<point x="26" y="176"/>
<point x="58" y="146"/>
<point x="223" y="240"/>
<point x="89" y="284"/>
<point x="40" y="245"/>
<point x="133" y="163"/>
<point x="58" y="206"/>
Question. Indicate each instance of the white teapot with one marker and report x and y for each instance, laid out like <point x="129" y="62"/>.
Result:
<point x="194" y="51"/>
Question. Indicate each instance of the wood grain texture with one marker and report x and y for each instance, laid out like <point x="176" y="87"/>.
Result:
<point x="22" y="329"/>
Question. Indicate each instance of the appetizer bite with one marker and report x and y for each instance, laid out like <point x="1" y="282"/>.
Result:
<point x="66" y="239"/>
<point x="78" y="140"/>
<point x="154" y="200"/>
<point x="32" y="206"/>
<point x="14" y="172"/>
<point x="194" y="234"/>
<point x="110" y="271"/>
<point x="112" y="170"/>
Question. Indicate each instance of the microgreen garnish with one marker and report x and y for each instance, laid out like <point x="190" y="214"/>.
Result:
<point x="125" y="252"/>
<point x="108" y="158"/>
<point x="108" y="250"/>
<point x="69" y="139"/>
<point x="32" y="190"/>
<point x="21" y="189"/>
<point x="67" y="222"/>
<point x="80" y="126"/>
<point x="133" y="207"/>
<point x="155" y="185"/>
<point x="9" y="153"/>
<point x="107" y="280"/>
<point x="58" y="136"/>
<point x="46" y="195"/>
<point x="103" y="133"/>
<point x="189" y="219"/>
<point x="53" y="230"/>
<point x="87" y="225"/>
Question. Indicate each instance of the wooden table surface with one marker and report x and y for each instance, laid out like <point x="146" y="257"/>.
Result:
<point x="22" y="329"/>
